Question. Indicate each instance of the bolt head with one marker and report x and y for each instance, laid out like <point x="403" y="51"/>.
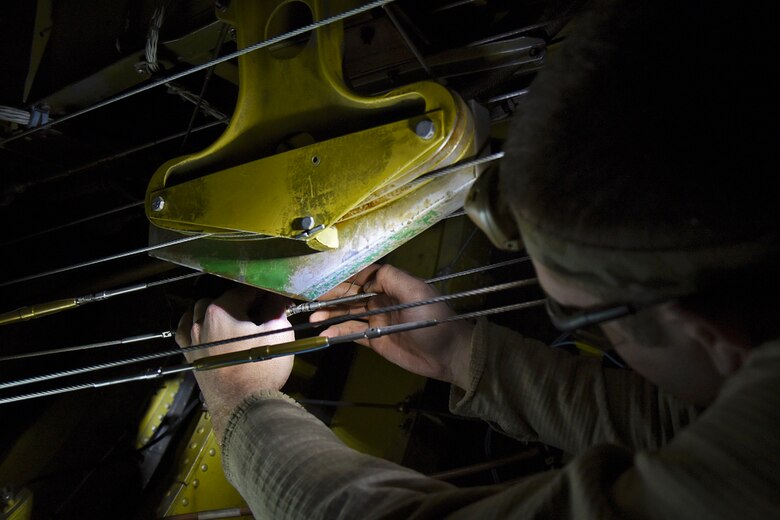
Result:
<point x="425" y="129"/>
<point x="158" y="203"/>
<point x="307" y="222"/>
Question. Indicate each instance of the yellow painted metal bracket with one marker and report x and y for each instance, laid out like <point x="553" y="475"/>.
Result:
<point x="309" y="162"/>
<point x="323" y="181"/>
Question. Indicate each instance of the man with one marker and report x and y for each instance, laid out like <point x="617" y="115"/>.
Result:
<point x="611" y="176"/>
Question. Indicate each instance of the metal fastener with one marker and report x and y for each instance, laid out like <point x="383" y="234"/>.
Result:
<point x="307" y="222"/>
<point x="158" y="203"/>
<point x="425" y="129"/>
<point x="212" y="452"/>
<point x="204" y="467"/>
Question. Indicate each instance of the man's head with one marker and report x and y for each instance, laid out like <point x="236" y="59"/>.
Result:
<point x="638" y="173"/>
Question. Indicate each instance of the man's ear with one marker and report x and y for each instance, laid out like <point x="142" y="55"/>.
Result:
<point x="724" y="341"/>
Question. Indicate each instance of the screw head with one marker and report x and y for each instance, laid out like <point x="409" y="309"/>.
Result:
<point x="158" y="203"/>
<point x="425" y="129"/>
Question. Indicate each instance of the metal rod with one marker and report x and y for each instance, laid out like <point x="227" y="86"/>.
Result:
<point x="53" y="307"/>
<point x="435" y="174"/>
<point x="478" y="269"/>
<point x="302" y="326"/>
<point x="73" y="223"/>
<point x="220" y="40"/>
<point x="283" y="349"/>
<point x="452" y="5"/>
<point x="316" y="305"/>
<point x="516" y="32"/>
<point x="90" y="346"/>
<point x="259" y="45"/>
<point x="104" y="259"/>
<point x="135" y="149"/>
<point x="409" y="43"/>
<point x="508" y="95"/>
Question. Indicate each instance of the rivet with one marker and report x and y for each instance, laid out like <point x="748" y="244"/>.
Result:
<point x="315" y="160"/>
<point x="186" y="461"/>
<point x="185" y="502"/>
<point x="195" y="483"/>
<point x="212" y="452"/>
<point x="194" y="445"/>
<point x="204" y="467"/>
<point x="201" y="429"/>
<point x="154" y="428"/>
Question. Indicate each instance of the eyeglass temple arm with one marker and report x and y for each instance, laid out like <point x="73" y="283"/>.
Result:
<point x="580" y="320"/>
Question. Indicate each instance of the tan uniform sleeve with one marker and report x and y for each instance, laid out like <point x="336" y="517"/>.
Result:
<point x="535" y="393"/>
<point x="287" y="464"/>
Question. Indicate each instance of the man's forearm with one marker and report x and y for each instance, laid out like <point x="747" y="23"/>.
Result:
<point x="533" y="392"/>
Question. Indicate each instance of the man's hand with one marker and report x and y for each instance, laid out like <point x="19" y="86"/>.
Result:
<point x="226" y="317"/>
<point x="442" y="352"/>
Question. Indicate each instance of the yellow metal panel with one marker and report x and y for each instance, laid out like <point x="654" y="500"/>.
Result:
<point x="158" y="408"/>
<point x="200" y="484"/>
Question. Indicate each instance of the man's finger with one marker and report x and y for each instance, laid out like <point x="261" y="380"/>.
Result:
<point x="237" y="301"/>
<point x="335" y="312"/>
<point x="399" y="285"/>
<point x="183" y="330"/>
<point x="352" y="285"/>
<point x="341" y="290"/>
<point x="199" y="310"/>
<point x="348" y="327"/>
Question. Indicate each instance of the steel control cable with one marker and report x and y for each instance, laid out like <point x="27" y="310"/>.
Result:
<point x="296" y="309"/>
<point x="302" y="326"/>
<point x="266" y="352"/>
